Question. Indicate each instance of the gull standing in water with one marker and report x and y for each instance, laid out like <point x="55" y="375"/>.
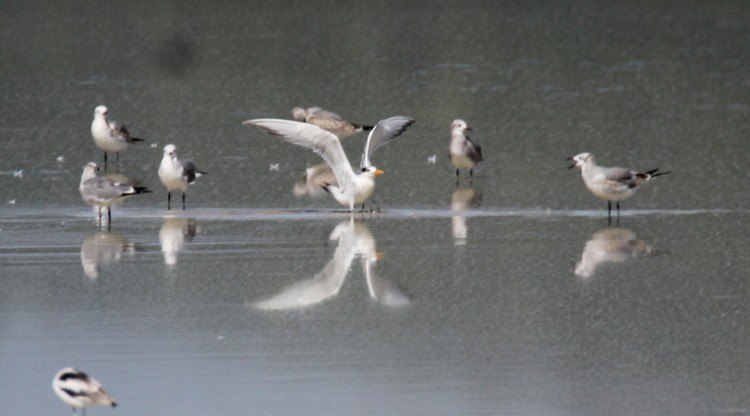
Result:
<point x="104" y="192"/>
<point x="176" y="174"/>
<point x="328" y="120"/>
<point x="465" y="154"/>
<point x="352" y="188"/>
<point x="79" y="391"/>
<point x="612" y="184"/>
<point x="110" y="136"/>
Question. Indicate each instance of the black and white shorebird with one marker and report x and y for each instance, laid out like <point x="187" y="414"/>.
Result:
<point x="79" y="390"/>
<point x="611" y="184"/>
<point x="176" y="174"/>
<point x="104" y="192"/>
<point x="465" y="154"/>
<point x="351" y="188"/>
<point x="328" y="120"/>
<point x="110" y="136"/>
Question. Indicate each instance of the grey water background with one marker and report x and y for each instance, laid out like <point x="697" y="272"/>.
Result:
<point x="508" y="295"/>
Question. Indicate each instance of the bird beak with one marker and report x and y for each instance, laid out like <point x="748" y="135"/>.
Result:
<point x="379" y="172"/>
<point x="469" y="128"/>
<point x="573" y="165"/>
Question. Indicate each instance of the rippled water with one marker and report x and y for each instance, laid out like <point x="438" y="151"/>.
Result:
<point x="508" y="294"/>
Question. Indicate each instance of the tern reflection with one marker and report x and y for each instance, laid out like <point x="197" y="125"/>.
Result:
<point x="102" y="248"/>
<point x="173" y="235"/>
<point x="355" y="240"/>
<point x="609" y="245"/>
<point x="463" y="199"/>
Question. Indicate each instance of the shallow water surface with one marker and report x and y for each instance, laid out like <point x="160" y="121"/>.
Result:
<point x="510" y="293"/>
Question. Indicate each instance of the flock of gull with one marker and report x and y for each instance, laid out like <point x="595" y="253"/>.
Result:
<point x="322" y="131"/>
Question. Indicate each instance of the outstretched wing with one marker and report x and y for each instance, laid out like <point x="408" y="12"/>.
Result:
<point x="383" y="132"/>
<point x="322" y="142"/>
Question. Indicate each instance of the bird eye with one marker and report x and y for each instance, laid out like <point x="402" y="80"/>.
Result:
<point x="364" y="169"/>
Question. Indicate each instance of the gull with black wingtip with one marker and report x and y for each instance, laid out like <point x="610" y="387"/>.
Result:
<point x="110" y="136"/>
<point x="176" y="174"/>
<point x="611" y="184"/>
<point x="328" y="120"/>
<point x="465" y="154"/>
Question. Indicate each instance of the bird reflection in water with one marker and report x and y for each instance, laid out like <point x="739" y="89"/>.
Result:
<point x="173" y="235"/>
<point x="102" y="248"/>
<point x="610" y="245"/>
<point x="462" y="200"/>
<point x="355" y="240"/>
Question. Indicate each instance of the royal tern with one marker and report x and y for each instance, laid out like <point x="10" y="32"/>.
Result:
<point x="612" y="184"/>
<point x="110" y="136"/>
<point x="176" y="174"/>
<point x="351" y="188"/>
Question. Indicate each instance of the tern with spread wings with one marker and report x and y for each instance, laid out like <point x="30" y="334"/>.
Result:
<point x="351" y="188"/>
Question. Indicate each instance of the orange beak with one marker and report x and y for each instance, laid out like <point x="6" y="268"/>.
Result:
<point x="379" y="172"/>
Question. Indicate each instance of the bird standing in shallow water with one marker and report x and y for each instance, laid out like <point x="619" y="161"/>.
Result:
<point x="351" y="188"/>
<point x="110" y="136"/>
<point x="176" y="174"/>
<point x="612" y="184"/>
<point x="79" y="391"/>
<point x="465" y="154"/>
<point x="104" y="192"/>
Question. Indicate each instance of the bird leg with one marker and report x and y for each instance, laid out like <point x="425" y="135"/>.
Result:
<point x="618" y="209"/>
<point x="609" y="208"/>
<point x="109" y="219"/>
<point x="183" y="201"/>
<point x="169" y="200"/>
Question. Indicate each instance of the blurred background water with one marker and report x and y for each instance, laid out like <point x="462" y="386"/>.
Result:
<point x="511" y="294"/>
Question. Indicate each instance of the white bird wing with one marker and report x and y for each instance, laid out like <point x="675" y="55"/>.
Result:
<point x="383" y="132"/>
<point x="322" y="142"/>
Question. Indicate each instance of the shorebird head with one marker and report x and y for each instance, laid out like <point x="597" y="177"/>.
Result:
<point x="460" y="126"/>
<point x="299" y="113"/>
<point x="170" y="150"/>
<point x="579" y="160"/>
<point x="100" y="110"/>
<point x="372" y="171"/>
<point x="90" y="168"/>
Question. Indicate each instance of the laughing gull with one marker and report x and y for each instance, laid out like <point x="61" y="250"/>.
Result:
<point x="328" y="120"/>
<point x="612" y="184"/>
<point x="609" y="245"/>
<point x="173" y="235"/>
<point x="110" y="136"/>
<point x="102" y="248"/>
<point x="176" y="174"/>
<point x="312" y="182"/>
<point x="79" y="391"/>
<point x="352" y="188"/>
<point x="104" y="192"/>
<point x="465" y="154"/>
